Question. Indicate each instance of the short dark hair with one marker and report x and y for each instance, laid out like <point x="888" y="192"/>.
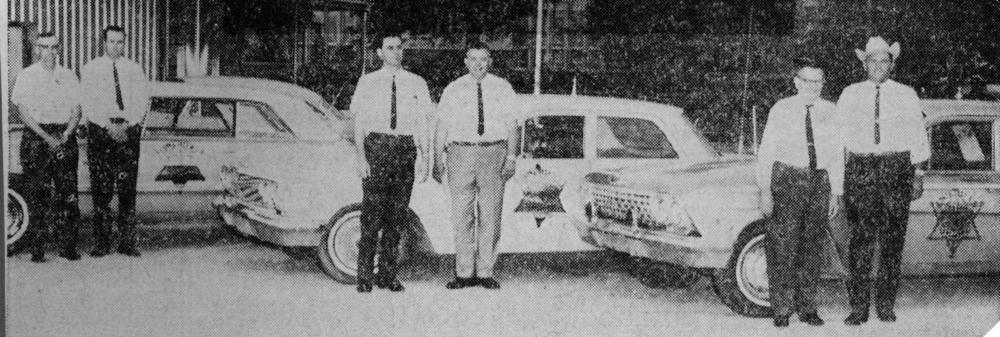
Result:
<point x="477" y="45"/>
<point x="111" y="28"/>
<point x="807" y="62"/>
<point x="377" y="42"/>
<point x="47" y="34"/>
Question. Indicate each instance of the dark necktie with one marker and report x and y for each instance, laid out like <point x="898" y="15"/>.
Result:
<point x="479" y="94"/>
<point x="118" y="87"/>
<point x="878" y="135"/>
<point x="392" y="104"/>
<point x="809" y="138"/>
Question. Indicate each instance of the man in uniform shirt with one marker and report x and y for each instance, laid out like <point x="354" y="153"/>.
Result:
<point x="390" y="107"/>
<point x="885" y="140"/>
<point x="47" y="99"/>
<point x="798" y="165"/>
<point x="478" y="114"/>
<point x="115" y="105"/>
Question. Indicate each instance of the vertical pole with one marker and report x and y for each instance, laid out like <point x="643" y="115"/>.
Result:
<point x="364" y="41"/>
<point x="197" y="28"/>
<point x="538" y="48"/>
<point x="753" y="113"/>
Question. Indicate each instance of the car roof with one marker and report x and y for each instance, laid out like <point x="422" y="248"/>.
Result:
<point x="268" y="84"/>
<point x="595" y="104"/>
<point x="945" y="108"/>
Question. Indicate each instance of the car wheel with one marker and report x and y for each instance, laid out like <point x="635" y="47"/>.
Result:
<point x="338" y="248"/>
<point x="662" y="275"/>
<point x="18" y="217"/>
<point x="743" y="285"/>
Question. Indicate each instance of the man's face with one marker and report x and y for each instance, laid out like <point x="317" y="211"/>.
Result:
<point x="391" y="52"/>
<point x="478" y="62"/>
<point x="878" y="66"/>
<point x="114" y="44"/>
<point x="47" y="48"/>
<point x="809" y="82"/>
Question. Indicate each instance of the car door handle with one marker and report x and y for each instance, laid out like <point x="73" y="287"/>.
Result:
<point x="179" y="174"/>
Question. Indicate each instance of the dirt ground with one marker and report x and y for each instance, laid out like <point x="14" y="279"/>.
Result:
<point x="228" y="286"/>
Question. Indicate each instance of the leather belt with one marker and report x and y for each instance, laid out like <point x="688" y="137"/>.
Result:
<point x="118" y="120"/>
<point x="488" y="143"/>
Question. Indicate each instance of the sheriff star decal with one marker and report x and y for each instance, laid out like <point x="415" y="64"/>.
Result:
<point x="956" y="219"/>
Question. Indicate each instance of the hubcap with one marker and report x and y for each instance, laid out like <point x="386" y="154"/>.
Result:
<point x="751" y="272"/>
<point x="342" y="243"/>
<point x="16" y="217"/>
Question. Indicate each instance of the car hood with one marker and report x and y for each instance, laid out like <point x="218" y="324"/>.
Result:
<point x="724" y="172"/>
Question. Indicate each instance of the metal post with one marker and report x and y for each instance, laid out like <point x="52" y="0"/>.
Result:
<point x="753" y="114"/>
<point x="197" y="29"/>
<point x="538" y="48"/>
<point x="364" y="41"/>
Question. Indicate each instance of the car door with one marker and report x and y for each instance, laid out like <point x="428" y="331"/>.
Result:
<point x="955" y="226"/>
<point x="543" y="195"/>
<point x="183" y="141"/>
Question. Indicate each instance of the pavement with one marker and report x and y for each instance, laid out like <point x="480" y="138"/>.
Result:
<point x="214" y="283"/>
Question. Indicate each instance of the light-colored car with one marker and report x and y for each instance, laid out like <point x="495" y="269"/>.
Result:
<point x="189" y="133"/>
<point x="704" y="217"/>
<point x="312" y="199"/>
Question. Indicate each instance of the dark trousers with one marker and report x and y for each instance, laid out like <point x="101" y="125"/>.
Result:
<point x="51" y="189"/>
<point x="877" y="192"/>
<point x="794" y="236"/>
<point x="114" y="168"/>
<point x="385" y="205"/>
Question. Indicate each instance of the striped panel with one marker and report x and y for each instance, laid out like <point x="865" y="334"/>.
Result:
<point x="79" y="22"/>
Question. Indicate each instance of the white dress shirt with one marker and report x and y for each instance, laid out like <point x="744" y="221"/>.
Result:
<point x="784" y="140"/>
<point x="46" y="96"/>
<point x="100" y="104"/>
<point x="371" y="103"/>
<point x="901" y="122"/>
<point x="459" y="109"/>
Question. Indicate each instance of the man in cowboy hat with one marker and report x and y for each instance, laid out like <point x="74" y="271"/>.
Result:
<point x="885" y="140"/>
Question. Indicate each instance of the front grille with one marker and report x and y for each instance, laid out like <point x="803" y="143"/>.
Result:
<point x="624" y="206"/>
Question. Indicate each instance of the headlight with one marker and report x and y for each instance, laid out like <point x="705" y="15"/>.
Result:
<point x="669" y="215"/>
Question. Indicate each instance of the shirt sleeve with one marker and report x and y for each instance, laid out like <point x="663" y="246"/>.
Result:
<point x="920" y="149"/>
<point x="515" y="110"/>
<point x="19" y="91"/>
<point x="359" y="104"/>
<point x="444" y="109"/>
<point x="92" y="111"/>
<point x="141" y="93"/>
<point x="74" y="91"/>
<point x="836" y="147"/>
<point x="768" y="148"/>
<point x="426" y="109"/>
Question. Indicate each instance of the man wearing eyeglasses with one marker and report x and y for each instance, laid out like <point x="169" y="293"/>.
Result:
<point x="798" y="166"/>
<point x="885" y="141"/>
<point x="46" y="97"/>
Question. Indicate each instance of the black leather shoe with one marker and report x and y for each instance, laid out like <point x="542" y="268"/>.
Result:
<point x="461" y="282"/>
<point x="38" y="257"/>
<point x="364" y="287"/>
<point x="886" y="315"/>
<point x="856" y="318"/>
<point x="811" y="318"/>
<point x="393" y="285"/>
<point x="489" y="283"/>
<point x="781" y="321"/>
<point x="71" y="255"/>
<point x="129" y="251"/>
<point x="100" y="251"/>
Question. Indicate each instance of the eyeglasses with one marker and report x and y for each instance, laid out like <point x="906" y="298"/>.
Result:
<point x="819" y="81"/>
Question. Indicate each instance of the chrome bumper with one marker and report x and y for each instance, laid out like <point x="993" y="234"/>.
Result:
<point x="245" y="220"/>
<point x="686" y="251"/>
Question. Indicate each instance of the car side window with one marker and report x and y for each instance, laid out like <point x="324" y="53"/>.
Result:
<point x="258" y="120"/>
<point x="554" y="137"/>
<point x="962" y="146"/>
<point x="624" y="137"/>
<point x="169" y="116"/>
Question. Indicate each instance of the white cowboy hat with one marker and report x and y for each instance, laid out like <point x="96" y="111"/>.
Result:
<point x="877" y="44"/>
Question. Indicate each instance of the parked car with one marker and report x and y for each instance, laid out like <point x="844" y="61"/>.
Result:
<point x="189" y="132"/>
<point x="313" y="198"/>
<point x="704" y="216"/>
